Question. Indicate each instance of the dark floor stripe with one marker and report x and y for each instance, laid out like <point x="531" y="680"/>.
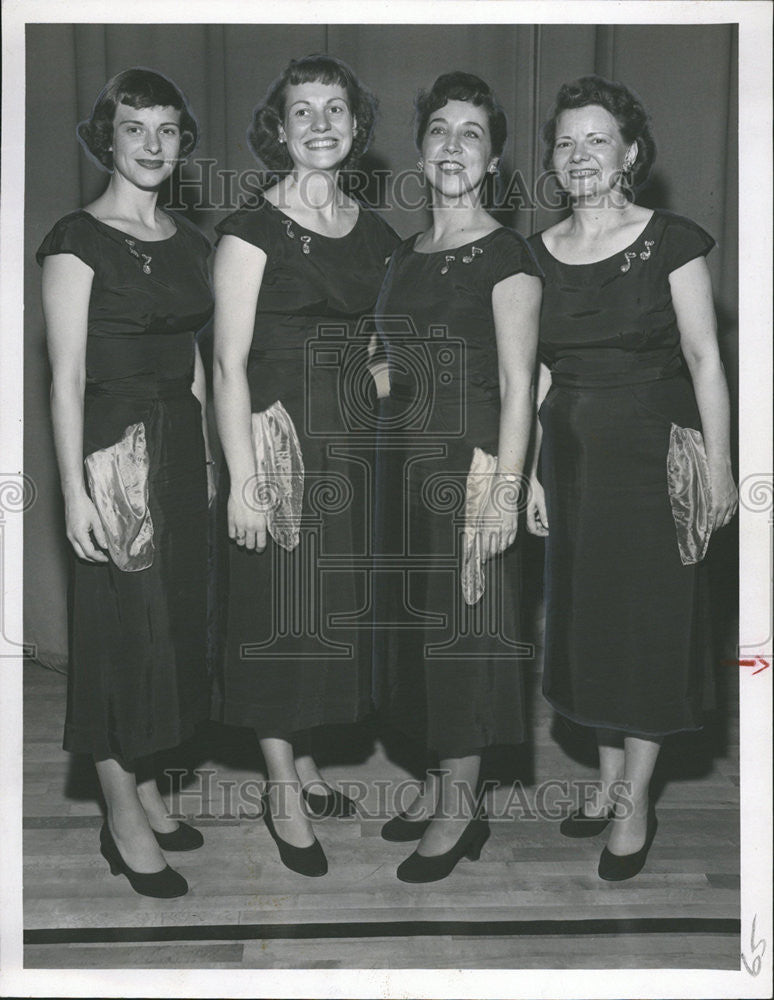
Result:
<point x="393" y="928"/>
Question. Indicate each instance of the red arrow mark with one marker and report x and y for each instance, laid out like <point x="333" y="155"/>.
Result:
<point x="752" y="663"/>
<point x="748" y="663"/>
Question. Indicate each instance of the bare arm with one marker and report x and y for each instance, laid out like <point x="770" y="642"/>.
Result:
<point x="692" y="300"/>
<point x="543" y="385"/>
<point x="537" y="517"/>
<point x="516" y="307"/>
<point x="66" y="291"/>
<point x="199" y="389"/>
<point x="238" y="274"/>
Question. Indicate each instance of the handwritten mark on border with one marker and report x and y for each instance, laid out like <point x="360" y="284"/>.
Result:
<point x="757" y="962"/>
<point x="750" y="663"/>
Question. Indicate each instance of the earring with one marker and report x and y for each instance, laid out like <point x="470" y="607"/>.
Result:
<point x="493" y="168"/>
<point x="420" y="164"/>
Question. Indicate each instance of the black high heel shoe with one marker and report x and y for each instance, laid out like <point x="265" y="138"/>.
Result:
<point x="184" y="838"/>
<point x="165" y="884"/>
<point x="334" y="805"/>
<point x="419" y="868"/>
<point x="309" y="861"/>
<point x="580" y="825"/>
<point x="400" y="829"/>
<point x="619" y="867"/>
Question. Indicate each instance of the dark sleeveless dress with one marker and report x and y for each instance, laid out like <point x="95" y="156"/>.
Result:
<point x="298" y="629"/>
<point x="447" y="673"/>
<point x="627" y="629"/>
<point x="137" y="678"/>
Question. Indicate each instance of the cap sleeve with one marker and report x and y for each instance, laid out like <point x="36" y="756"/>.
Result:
<point x="684" y="240"/>
<point x="254" y="225"/>
<point x="511" y="254"/>
<point x="73" y="234"/>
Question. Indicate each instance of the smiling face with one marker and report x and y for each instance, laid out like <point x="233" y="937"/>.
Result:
<point x="318" y="126"/>
<point x="590" y="154"/>
<point x="457" y="148"/>
<point x="146" y="144"/>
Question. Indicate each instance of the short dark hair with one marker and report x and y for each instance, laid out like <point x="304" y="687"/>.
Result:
<point x="263" y="133"/>
<point x="622" y="103"/>
<point x="137" y="87"/>
<point x="460" y="86"/>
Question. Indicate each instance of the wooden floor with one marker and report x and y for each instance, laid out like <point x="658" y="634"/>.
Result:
<point x="534" y="899"/>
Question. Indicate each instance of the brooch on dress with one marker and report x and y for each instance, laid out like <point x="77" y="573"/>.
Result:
<point x="631" y="254"/>
<point x="449" y="257"/>
<point x="144" y="258"/>
<point x="305" y="240"/>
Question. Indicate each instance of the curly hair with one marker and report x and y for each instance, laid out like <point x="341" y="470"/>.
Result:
<point x="138" y="88"/>
<point x="622" y="103"/>
<point x="263" y="133"/>
<point x="460" y="86"/>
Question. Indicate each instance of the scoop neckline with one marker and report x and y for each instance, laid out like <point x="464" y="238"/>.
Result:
<point x="131" y="236"/>
<point x="603" y="260"/>
<point x="432" y="253"/>
<point x="313" y="232"/>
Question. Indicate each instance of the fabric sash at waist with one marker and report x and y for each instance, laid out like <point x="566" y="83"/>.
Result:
<point x="337" y="352"/>
<point x="142" y="387"/>
<point x="257" y="357"/>
<point x="615" y="379"/>
<point x="446" y="394"/>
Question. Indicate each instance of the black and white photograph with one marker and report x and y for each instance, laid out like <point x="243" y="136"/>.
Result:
<point x="386" y="501"/>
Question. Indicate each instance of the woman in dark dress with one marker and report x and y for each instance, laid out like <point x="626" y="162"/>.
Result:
<point x="292" y="277"/>
<point x="629" y="333"/>
<point x="452" y="448"/>
<point x="125" y="288"/>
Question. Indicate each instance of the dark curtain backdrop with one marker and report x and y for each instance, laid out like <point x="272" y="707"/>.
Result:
<point x="685" y="74"/>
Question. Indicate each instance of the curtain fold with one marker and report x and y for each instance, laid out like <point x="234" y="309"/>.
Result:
<point x="685" y="74"/>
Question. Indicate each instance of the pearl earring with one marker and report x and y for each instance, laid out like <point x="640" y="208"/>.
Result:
<point x="420" y="164"/>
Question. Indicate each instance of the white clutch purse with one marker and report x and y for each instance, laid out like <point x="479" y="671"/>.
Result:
<point x="690" y="494"/>
<point x="279" y="484"/>
<point x="478" y="488"/>
<point x="118" y="483"/>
